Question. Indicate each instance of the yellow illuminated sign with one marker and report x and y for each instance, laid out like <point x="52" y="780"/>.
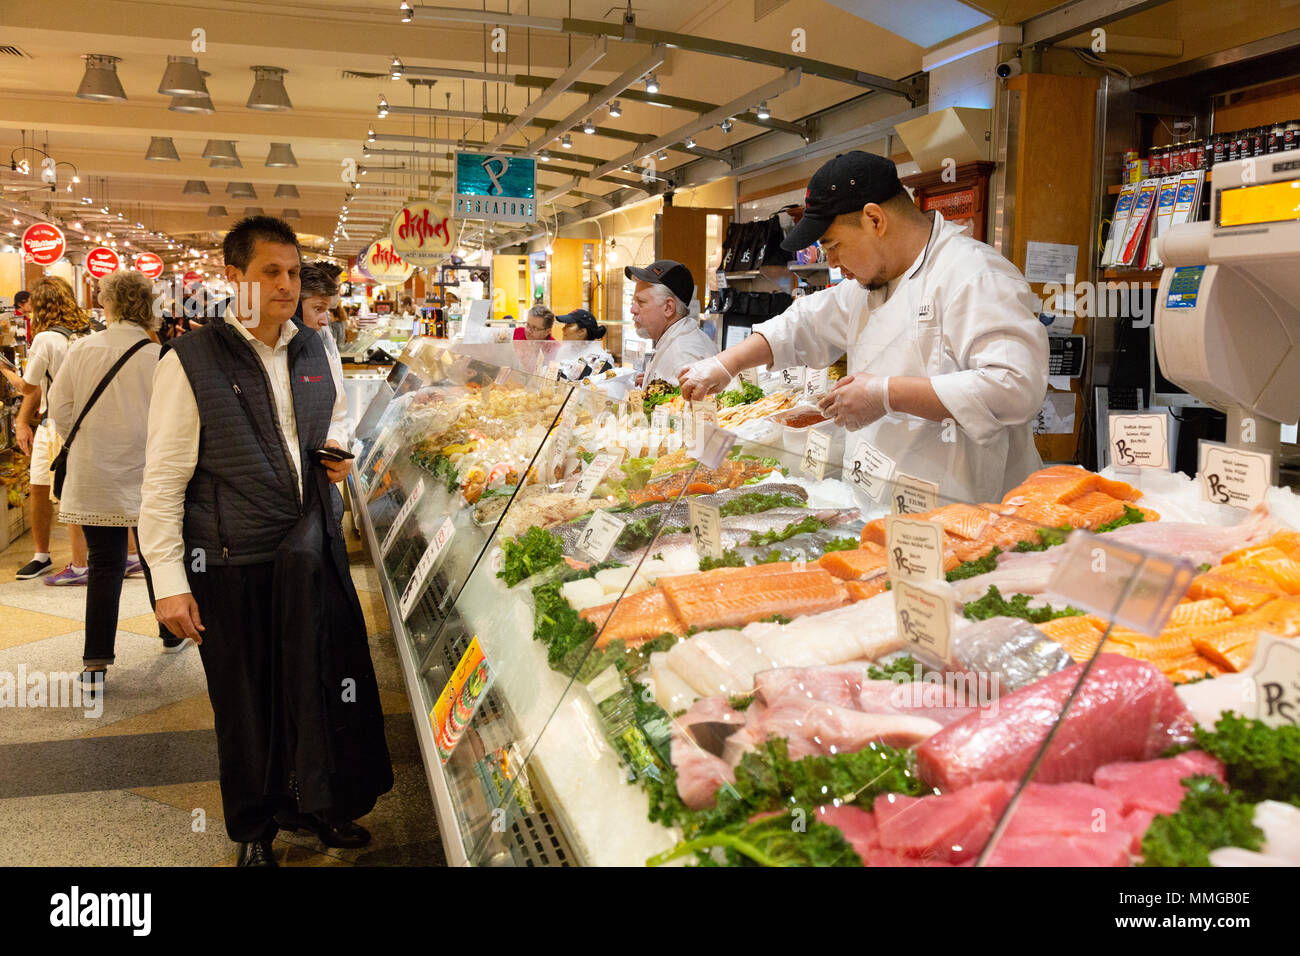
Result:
<point x="1268" y="202"/>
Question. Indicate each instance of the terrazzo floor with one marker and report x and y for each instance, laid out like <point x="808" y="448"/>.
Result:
<point x="136" y="784"/>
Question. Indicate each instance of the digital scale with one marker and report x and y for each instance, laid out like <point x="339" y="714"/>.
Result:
<point x="1227" y="315"/>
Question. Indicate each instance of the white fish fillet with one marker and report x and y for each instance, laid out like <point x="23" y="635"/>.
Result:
<point x="671" y="692"/>
<point x="816" y="727"/>
<point x="1281" y="825"/>
<point x="1015" y="574"/>
<point x="704" y="670"/>
<point x="1236" y="856"/>
<point x="731" y="649"/>
<point x="864" y="630"/>
<point x="837" y="684"/>
<point x="1208" y="699"/>
<point x="1199" y="543"/>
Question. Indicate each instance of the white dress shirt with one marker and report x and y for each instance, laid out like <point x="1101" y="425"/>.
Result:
<point x="44" y="359"/>
<point x="172" y="452"/>
<point x="106" y="463"/>
<point x="681" y="344"/>
<point x="336" y="369"/>
<point x="961" y="316"/>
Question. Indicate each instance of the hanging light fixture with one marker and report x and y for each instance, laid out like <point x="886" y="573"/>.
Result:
<point x="286" y="191"/>
<point x="566" y="141"/>
<point x="588" y="127"/>
<point x="241" y="191"/>
<point x="280" y="156"/>
<point x="690" y="142"/>
<point x="225" y="164"/>
<point x="290" y="213"/>
<point x="199" y="103"/>
<point x="254" y="211"/>
<point x="220" y="149"/>
<point x="651" y="83"/>
<point x="182" y="77"/>
<point x="663" y="155"/>
<point x="544" y="155"/>
<point x="396" y="68"/>
<point x="615" y="109"/>
<point x="383" y="107"/>
<point x="370" y="135"/>
<point x="268" y="91"/>
<point x="100" y="80"/>
<point x="217" y="211"/>
<point x="763" y="112"/>
<point x="162" y="147"/>
<point x="405" y="8"/>
<point x="726" y="125"/>
<point x="195" y="187"/>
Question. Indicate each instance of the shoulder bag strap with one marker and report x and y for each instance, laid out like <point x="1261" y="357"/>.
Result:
<point x="99" y="389"/>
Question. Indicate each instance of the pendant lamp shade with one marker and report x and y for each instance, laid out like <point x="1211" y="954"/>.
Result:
<point x="100" y="80"/>
<point x="217" y="211"/>
<point x="280" y="155"/>
<point x="291" y="214"/>
<point x="226" y="164"/>
<point x="200" y="102"/>
<point x="286" y="191"/>
<point x="268" y="91"/>
<point x="182" y="77"/>
<point x="195" y="187"/>
<point x="254" y="211"/>
<point x="162" y="147"/>
<point x="241" y="191"/>
<point x="220" y="149"/>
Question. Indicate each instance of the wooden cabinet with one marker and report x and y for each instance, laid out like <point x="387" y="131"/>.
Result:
<point x="962" y="196"/>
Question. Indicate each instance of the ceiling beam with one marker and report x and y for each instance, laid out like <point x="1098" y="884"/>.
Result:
<point x="584" y="62"/>
<point x="1079" y="16"/>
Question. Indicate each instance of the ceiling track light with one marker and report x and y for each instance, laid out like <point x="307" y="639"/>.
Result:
<point x="370" y="135"/>
<point x="268" y="91"/>
<point x="100" y="82"/>
<point x="588" y="127"/>
<point x="566" y="141"/>
<point x="726" y="125"/>
<point x="615" y="109"/>
<point x="690" y="142"/>
<point x="182" y="77"/>
<point x="162" y="148"/>
<point x="286" y="191"/>
<point x="217" y="211"/>
<point x="396" y="68"/>
<point x="651" y="83"/>
<point x="383" y="107"/>
<point x="405" y="9"/>
<point x="662" y="156"/>
<point x="544" y="155"/>
<point x="763" y="112"/>
<point x="220" y="149"/>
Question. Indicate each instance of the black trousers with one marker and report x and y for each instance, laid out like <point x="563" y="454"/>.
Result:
<point x="235" y="610"/>
<point x="107" y="550"/>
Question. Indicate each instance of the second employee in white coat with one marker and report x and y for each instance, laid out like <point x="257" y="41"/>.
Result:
<point x="947" y="360"/>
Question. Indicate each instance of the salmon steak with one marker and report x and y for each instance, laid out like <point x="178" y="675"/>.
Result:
<point x="730" y="602"/>
<point x="638" y="618"/>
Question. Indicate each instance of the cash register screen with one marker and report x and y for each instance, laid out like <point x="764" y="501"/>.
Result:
<point x="1267" y="202"/>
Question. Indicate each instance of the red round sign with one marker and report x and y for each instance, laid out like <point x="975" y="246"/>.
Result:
<point x="44" y="244"/>
<point x="191" y="277"/>
<point x="150" y="264"/>
<point x="102" y="260"/>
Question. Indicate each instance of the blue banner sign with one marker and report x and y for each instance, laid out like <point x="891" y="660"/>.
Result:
<point x="495" y="187"/>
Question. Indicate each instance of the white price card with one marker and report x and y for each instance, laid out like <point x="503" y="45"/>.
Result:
<point x="924" y="616"/>
<point x="722" y="279"/>
<point x="1275" y="676"/>
<point x="541" y="361"/>
<point x="420" y="576"/>
<point x="749" y="375"/>
<point x="914" y="549"/>
<point x="688" y="429"/>
<point x="712" y="444"/>
<point x="792" y="377"/>
<point x="913" y="496"/>
<point x="706" y="528"/>
<point x="1139" y="441"/>
<point x="815" y="381"/>
<point x="705" y="412"/>
<point x="1231" y="476"/>
<point x="599" y="535"/>
<point x="592" y="475"/>
<point x="407" y="507"/>
<point x="503" y="375"/>
<point x="816" y="452"/>
<point x="659" y="418"/>
<point x="552" y="371"/>
<point x="870" y="470"/>
<point x="561" y="439"/>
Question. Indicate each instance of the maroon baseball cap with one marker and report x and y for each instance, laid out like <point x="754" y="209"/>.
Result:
<point x="844" y="184"/>
<point x="667" y="272"/>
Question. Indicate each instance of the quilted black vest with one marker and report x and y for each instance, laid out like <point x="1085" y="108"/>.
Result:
<point x="242" y="501"/>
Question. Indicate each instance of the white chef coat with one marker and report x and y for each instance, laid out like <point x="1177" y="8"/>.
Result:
<point x="106" y="463"/>
<point x="962" y="316"/>
<point x="681" y="344"/>
<point x="172" y="452"/>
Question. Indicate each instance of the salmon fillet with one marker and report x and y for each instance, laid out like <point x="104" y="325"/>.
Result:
<point x="1097" y="508"/>
<point x="861" y="590"/>
<point x="873" y="532"/>
<point x="1064" y="483"/>
<point x="963" y="521"/>
<point x="854" y="565"/>
<point x="731" y="602"/>
<point x="1078" y="635"/>
<point x="1230" y="647"/>
<point x="1047" y="514"/>
<point x="1280" y="617"/>
<point x="1288" y="542"/>
<point x="722" y="574"/>
<point x="1274" y="562"/>
<point x="1206" y="611"/>
<point x="1195" y="669"/>
<point x="1241" y="587"/>
<point x="638" y="618"/>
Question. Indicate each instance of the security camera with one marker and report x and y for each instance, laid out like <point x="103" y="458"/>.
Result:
<point x="1009" y="68"/>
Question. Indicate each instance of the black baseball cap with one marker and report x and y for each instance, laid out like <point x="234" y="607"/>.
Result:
<point x="844" y="184"/>
<point x="667" y="272"/>
<point x="584" y="320"/>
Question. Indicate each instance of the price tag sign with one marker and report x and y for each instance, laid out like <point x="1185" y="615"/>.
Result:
<point x="870" y="470"/>
<point x="407" y="507"/>
<point x="1231" y="476"/>
<point x="420" y="577"/>
<point x="552" y="371"/>
<point x="599" y="535"/>
<point x="749" y="375"/>
<point x="914" y="549"/>
<point x="816" y="452"/>
<point x="815" y="381"/>
<point x="560" y="442"/>
<point x="706" y="528"/>
<point x="712" y="444"/>
<point x="593" y="474"/>
<point x="541" y="362"/>
<point x="659" y="418"/>
<point x="503" y="375"/>
<point x="792" y="377"/>
<point x="722" y="279"/>
<point x="1275" y="672"/>
<point x="924" y="620"/>
<point x="1139" y="441"/>
<point x="688" y="429"/>
<point x="913" y="496"/>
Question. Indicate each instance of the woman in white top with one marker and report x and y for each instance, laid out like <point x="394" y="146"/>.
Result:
<point x="106" y="460"/>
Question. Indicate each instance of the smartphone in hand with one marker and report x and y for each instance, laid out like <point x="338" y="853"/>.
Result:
<point x="333" y="454"/>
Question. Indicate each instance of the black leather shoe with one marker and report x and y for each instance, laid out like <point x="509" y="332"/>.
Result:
<point x="256" y="853"/>
<point x="344" y="836"/>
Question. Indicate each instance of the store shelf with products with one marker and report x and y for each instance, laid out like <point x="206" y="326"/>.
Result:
<point x="627" y="710"/>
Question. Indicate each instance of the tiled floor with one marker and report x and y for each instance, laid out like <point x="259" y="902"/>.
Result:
<point x="136" y="784"/>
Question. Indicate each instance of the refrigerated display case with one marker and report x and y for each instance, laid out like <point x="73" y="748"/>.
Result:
<point x="664" y="694"/>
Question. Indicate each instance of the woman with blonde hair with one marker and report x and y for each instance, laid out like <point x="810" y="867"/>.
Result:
<point x="106" y="441"/>
<point x="56" y="321"/>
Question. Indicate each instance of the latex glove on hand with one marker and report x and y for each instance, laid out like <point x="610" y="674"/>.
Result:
<point x="704" y="378"/>
<point x="857" y="400"/>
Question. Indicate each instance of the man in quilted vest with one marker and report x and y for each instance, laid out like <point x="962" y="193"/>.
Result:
<point x="241" y="409"/>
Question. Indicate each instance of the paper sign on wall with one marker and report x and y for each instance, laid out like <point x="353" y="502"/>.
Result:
<point x="924" y="619"/>
<point x="1231" y="476"/>
<point x="1139" y="441"/>
<point x="599" y="535"/>
<point x="407" y="507"/>
<point x="706" y="528"/>
<point x="913" y="496"/>
<point x="816" y="453"/>
<point x="914" y="549"/>
<point x="870" y="470"/>
<point x="420" y="576"/>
